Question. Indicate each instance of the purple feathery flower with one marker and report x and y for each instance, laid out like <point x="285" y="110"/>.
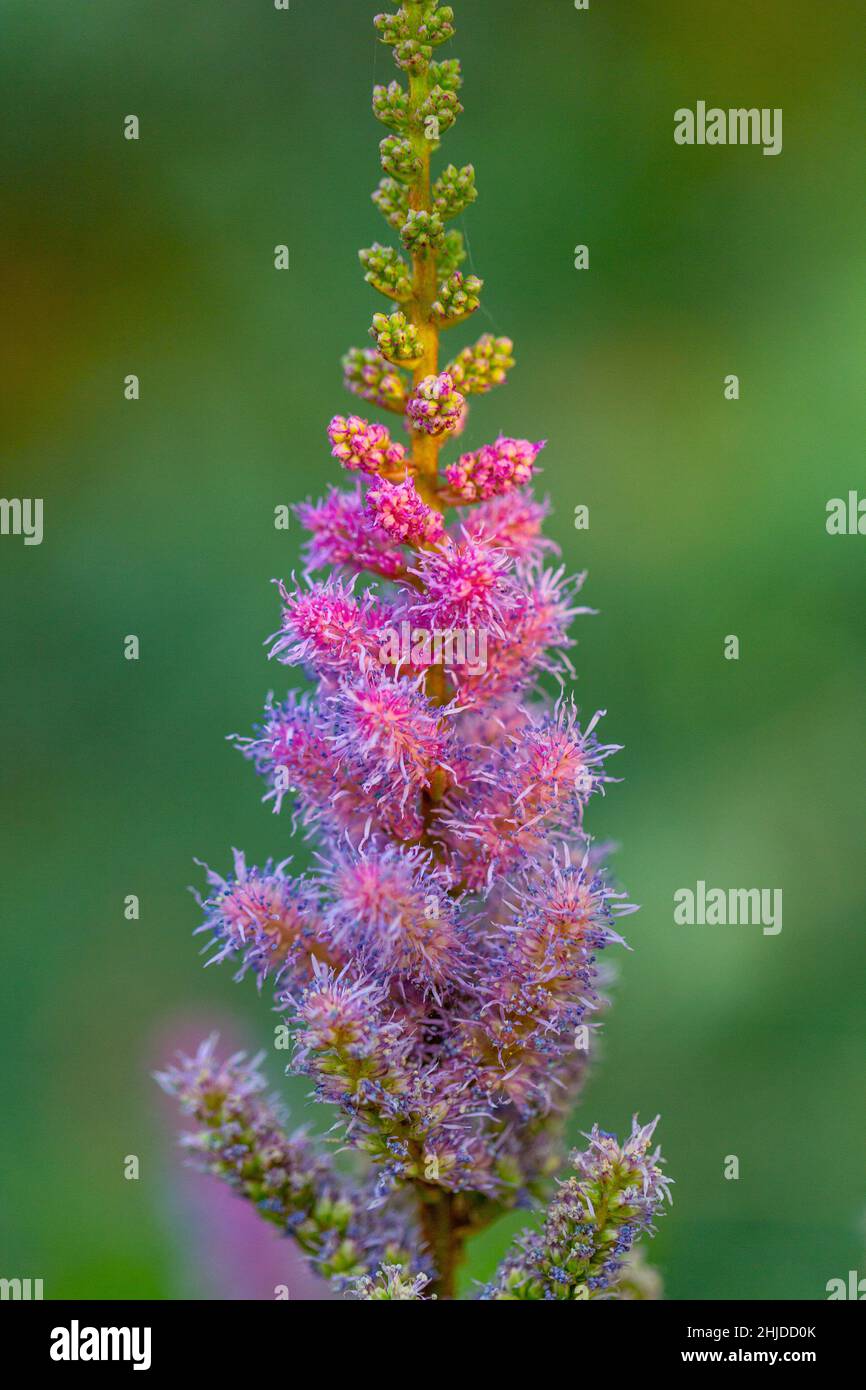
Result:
<point x="390" y="905"/>
<point x="342" y="533"/>
<point x="327" y="629"/>
<point x="269" y="922"/>
<point x="465" y="584"/>
<point x="388" y="735"/>
<point x="291" y="752"/>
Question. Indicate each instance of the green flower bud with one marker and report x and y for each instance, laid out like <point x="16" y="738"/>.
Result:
<point x="387" y="272"/>
<point x="391" y="105"/>
<point x="454" y="190"/>
<point x="368" y="375"/>
<point x="452" y="253"/>
<point x="447" y="74"/>
<point x="412" y="52"/>
<point x="439" y="112"/>
<point x="347" y="1258"/>
<point x="479" y="368"/>
<point x="437" y="26"/>
<point x="413" y="48"/>
<point x="422" y="232"/>
<point x="397" y="339"/>
<point x="392" y="200"/>
<point x="458" y="298"/>
<point x="341" y="1214"/>
<point x="399" y="159"/>
<point x="393" y="27"/>
<point x="413" y="57"/>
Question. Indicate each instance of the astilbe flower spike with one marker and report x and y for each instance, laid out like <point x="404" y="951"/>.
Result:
<point x="441" y="963"/>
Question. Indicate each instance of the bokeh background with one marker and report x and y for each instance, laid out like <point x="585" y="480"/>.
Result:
<point x="706" y="518"/>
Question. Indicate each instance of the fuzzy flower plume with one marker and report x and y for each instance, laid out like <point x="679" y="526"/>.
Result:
<point x="542" y="982"/>
<point x="327" y="629"/>
<point x="290" y="752"/>
<point x="534" y="640"/>
<point x="512" y="522"/>
<point x="465" y="584"/>
<point x="392" y="905"/>
<point x="343" y="534"/>
<point x="442" y="954"/>
<point x="264" y="919"/>
<point x="388" y="735"/>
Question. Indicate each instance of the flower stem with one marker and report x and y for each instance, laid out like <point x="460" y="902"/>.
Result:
<point x="443" y="1241"/>
<point x="425" y="447"/>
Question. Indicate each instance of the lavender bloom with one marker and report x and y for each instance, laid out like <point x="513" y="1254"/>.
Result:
<point x="343" y="533"/>
<point x="392" y="906"/>
<point x="327" y="629"/>
<point x="268" y="921"/>
<point x="442" y="965"/>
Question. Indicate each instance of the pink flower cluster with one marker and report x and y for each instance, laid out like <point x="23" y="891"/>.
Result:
<point x="434" y="406"/>
<point x="362" y="447"/>
<point x="398" y="509"/>
<point x="493" y="470"/>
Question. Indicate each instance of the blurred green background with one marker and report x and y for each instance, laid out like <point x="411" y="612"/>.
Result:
<point x="706" y="518"/>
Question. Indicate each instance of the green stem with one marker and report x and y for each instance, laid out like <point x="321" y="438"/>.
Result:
<point x="425" y="447"/>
